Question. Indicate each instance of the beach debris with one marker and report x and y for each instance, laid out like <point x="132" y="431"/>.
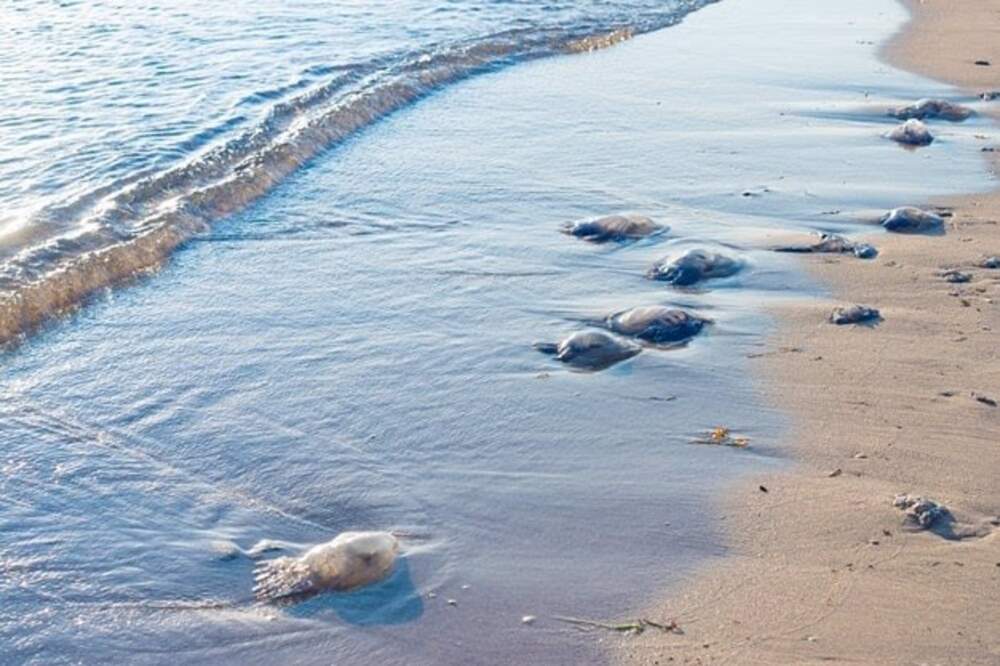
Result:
<point x="755" y="193"/>
<point x="911" y="133"/>
<point x="833" y="244"/>
<point x="835" y="473"/>
<point x="865" y="251"/>
<point x="911" y="220"/>
<point x="762" y="488"/>
<point x="984" y="399"/>
<point x="590" y="350"/>
<point x="722" y="436"/>
<point x="656" y="324"/>
<point x="779" y="350"/>
<point x="982" y="63"/>
<point x="860" y="456"/>
<point x="989" y="95"/>
<point x="432" y="595"/>
<point x="956" y="276"/>
<point x="932" y="108"/>
<point x="351" y="560"/>
<point x="613" y="228"/>
<point x="991" y="263"/>
<point x="528" y="619"/>
<point x="452" y="602"/>
<point x="855" y="314"/>
<point x="634" y="627"/>
<point x="598" y="41"/>
<point x="920" y="512"/>
<point x="694" y="266"/>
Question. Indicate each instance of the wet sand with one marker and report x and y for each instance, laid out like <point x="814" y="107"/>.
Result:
<point x="821" y="568"/>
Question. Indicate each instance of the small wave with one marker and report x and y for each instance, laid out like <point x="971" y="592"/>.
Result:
<point x="131" y="227"/>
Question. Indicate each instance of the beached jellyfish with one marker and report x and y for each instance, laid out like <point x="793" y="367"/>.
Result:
<point x="932" y="108"/>
<point x="657" y="324"/>
<point x="855" y="314"/>
<point x="352" y="560"/>
<point x="694" y="266"/>
<point x="920" y="512"/>
<point x="910" y="220"/>
<point x="590" y="350"/>
<point x="911" y="133"/>
<point x="833" y="244"/>
<point x="613" y="228"/>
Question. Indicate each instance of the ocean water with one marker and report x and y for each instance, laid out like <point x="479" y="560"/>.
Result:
<point x="134" y="126"/>
<point x="361" y="208"/>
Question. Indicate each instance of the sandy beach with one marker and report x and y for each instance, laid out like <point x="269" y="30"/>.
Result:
<point x="822" y="569"/>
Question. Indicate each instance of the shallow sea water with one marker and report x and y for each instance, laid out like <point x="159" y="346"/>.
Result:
<point x="354" y="352"/>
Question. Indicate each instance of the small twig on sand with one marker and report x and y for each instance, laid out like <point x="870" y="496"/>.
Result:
<point x="782" y="350"/>
<point x="628" y="627"/>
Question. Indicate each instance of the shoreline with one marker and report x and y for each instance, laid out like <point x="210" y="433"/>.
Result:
<point x="820" y="568"/>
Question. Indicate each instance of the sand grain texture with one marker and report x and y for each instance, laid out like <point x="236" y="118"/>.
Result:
<point x="822" y="570"/>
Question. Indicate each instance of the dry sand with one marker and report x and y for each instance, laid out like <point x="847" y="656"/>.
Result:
<point x="821" y="569"/>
